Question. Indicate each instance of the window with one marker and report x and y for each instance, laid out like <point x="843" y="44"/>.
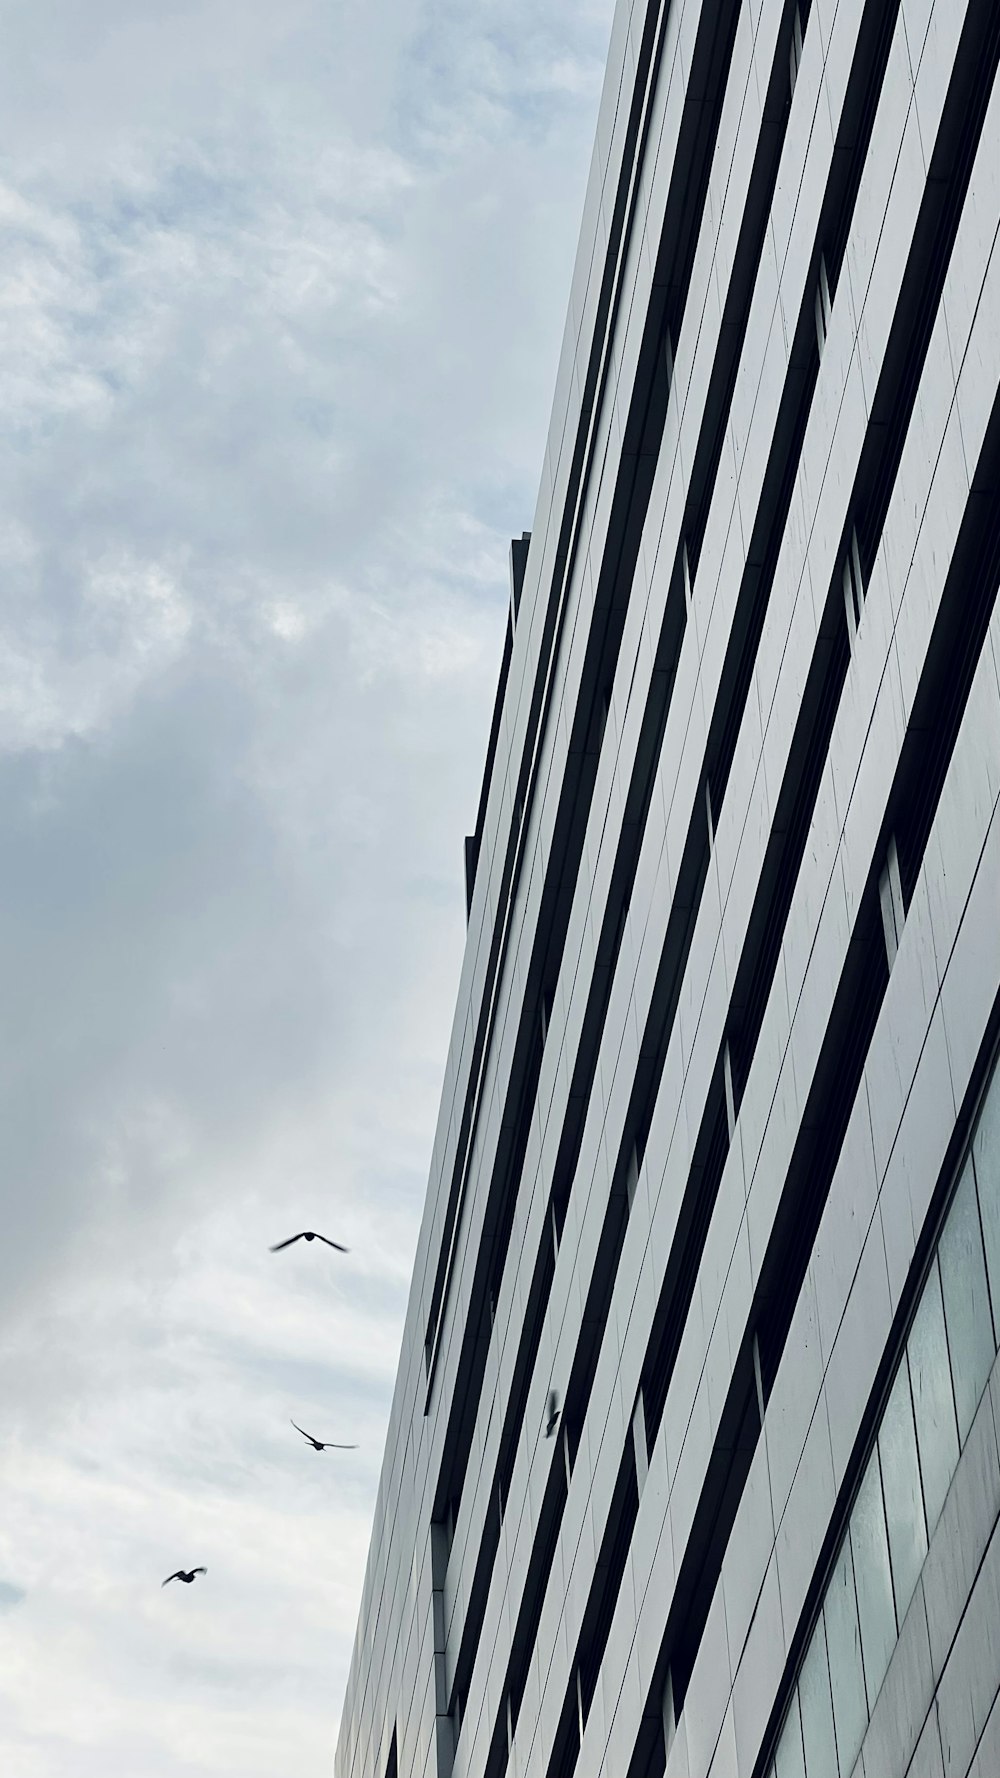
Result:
<point x="816" y="1704"/>
<point x="795" y="53"/>
<point x="966" y="1301"/>
<point x="669" y="1715"/>
<point x="942" y="1373"/>
<point x="854" y="590"/>
<point x="604" y="711"/>
<point x="789" y="1761"/>
<point x="824" y="307"/>
<point x="986" y="1155"/>
<point x="904" y="1507"/>
<point x="727" y="1071"/>
<point x="632" y="1175"/>
<point x="639" y="1442"/>
<point x="758" y="1378"/>
<point x="847" y="1678"/>
<point x="870" y="1548"/>
<point x="933" y="1398"/>
<point x="890" y="894"/>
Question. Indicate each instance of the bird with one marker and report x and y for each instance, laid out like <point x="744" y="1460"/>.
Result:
<point x="185" y="1574"/>
<point x="308" y="1235"/>
<point x="318" y="1444"/>
<point x="551" y="1413"/>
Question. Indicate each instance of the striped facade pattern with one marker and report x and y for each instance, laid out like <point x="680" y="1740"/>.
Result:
<point x="718" y="1155"/>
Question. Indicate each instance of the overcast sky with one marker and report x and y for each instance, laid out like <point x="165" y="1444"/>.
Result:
<point x="282" y="289"/>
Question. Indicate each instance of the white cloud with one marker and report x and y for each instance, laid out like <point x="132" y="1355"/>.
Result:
<point x="280" y="303"/>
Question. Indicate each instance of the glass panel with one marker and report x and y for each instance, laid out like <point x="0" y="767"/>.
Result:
<point x="966" y="1302"/>
<point x="843" y="1642"/>
<point x="788" y="1761"/>
<point x="933" y="1401"/>
<point x="817" y="1709"/>
<point x="986" y="1153"/>
<point x="870" y="1546"/>
<point x="904" y="1506"/>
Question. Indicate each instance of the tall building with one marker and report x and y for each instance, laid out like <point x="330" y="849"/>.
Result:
<point x="692" y="1466"/>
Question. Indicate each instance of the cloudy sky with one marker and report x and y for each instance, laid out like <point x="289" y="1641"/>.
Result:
<point x="281" y="297"/>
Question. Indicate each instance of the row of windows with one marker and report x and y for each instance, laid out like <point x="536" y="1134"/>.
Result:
<point x="625" y="525"/>
<point x="687" y="901"/>
<point x="576" y="1398"/>
<point x="690" y="196"/>
<point x="960" y="635"/>
<point x="913" y="801"/>
<point x="756" y="973"/>
<point x="747" y="1033"/>
<point x="644" y="426"/>
<point x="943" y="1370"/>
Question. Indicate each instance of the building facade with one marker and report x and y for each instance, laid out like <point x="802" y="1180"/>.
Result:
<point x="692" y="1467"/>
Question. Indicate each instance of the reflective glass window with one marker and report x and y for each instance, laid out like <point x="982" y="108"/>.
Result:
<point x="904" y="1506"/>
<point x="843" y="1643"/>
<point x="966" y="1301"/>
<point x="788" y="1760"/>
<point x="816" y="1703"/>
<point x="933" y="1400"/>
<point x="931" y="1405"/>
<point x="870" y="1545"/>
<point x="986" y="1154"/>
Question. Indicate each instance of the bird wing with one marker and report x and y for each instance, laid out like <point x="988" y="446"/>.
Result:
<point x="335" y="1244"/>
<point x="329" y="1446"/>
<point x="171" y="1577"/>
<point x="303" y="1431"/>
<point x="280" y="1244"/>
<point x="199" y="1571"/>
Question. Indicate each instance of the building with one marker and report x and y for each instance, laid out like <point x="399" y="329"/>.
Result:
<point x="718" y="1157"/>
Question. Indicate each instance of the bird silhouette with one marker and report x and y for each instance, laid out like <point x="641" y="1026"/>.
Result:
<point x="185" y="1574"/>
<point x="307" y="1235"/>
<point x="551" y="1413"/>
<point x="319" y="1444"/>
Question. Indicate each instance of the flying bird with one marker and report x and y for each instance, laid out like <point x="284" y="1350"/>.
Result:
<point x="307" y="1235"/>
<point x="551" y="1413"/>
<point x="185" y="1574"/>
<point x="318" y="1444"/>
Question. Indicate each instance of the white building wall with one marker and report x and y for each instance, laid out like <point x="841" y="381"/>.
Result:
<point x="874" y="182"/>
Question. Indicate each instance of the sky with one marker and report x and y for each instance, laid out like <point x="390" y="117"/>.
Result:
<point x="282" y="291"/>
